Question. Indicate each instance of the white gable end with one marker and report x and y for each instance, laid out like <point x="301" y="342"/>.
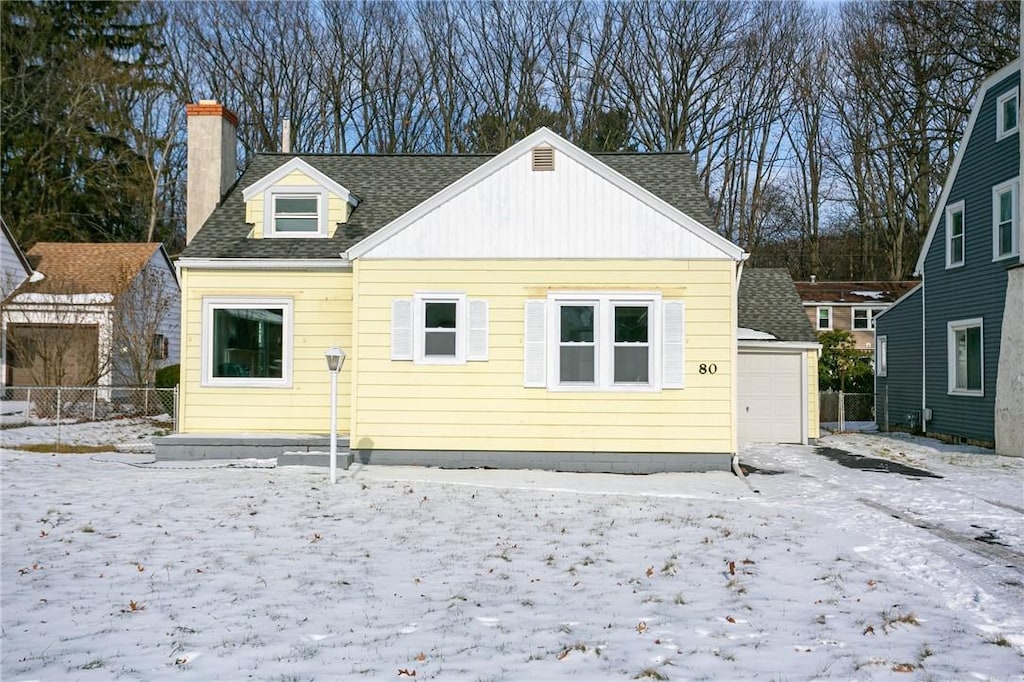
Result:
<point x="581" y="209"/>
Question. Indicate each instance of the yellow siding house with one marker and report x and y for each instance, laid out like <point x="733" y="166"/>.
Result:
<point x="543" y="307"/>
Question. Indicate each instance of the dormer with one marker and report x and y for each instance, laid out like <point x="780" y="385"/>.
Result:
<point x="296" y="201"/>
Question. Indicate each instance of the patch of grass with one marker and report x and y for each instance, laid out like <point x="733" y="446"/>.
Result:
<point x="890" y="619"/>
<point x="650" y="673"/>
<point x="88" y="529"/>
<point x="93" y="664"/>
<point x="63" y="448"/>
<point x="998" y="640"/>
<point x="679" y="600"/>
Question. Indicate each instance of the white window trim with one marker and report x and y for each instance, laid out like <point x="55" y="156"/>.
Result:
<point x="1014" y="189"/>
<point x="210" y="303"/>
<point x="1000" y="122"/>
<point x="871" y="319"/>
<point x="882" y="356"/>
<point x="271" y="194"/>
<point x="951" y="329"/>
<point x="817" y="318"/>
<point x="419" y="301"/>
<point x="952" y="209"/>
<point x="604" y="337"/>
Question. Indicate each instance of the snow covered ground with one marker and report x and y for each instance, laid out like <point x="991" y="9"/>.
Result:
<point x="112" y="569"/>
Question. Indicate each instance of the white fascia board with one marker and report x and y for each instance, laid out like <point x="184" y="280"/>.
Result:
<point x="940" y="207"/>
<point x="545" y="136"/>
<point x="777" y="346"/>
<point x="263" y="264"/>
<point x="297" y="164"/>
<point x="898" y="301"/>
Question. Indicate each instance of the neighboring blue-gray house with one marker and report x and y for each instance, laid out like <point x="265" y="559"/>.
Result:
<point x="950" y="354"/>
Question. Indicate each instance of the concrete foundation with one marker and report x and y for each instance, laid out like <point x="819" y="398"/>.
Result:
<point x="189" y="447"/>
<point x="311" y="450"/>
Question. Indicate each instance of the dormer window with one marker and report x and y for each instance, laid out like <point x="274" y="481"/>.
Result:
<point x="296" y="201"/>
<point x="296" y="212"/>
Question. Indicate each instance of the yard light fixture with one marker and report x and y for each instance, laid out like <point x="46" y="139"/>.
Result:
<point x="335" y="359"/>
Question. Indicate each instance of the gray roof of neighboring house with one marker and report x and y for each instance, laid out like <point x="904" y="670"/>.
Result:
<point x="768" y="302"/>
<point x="389" y="185"/>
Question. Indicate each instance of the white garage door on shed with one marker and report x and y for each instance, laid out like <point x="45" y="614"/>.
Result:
<point x="771" y="400"/>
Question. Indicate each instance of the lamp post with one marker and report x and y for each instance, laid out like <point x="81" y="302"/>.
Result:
<point x="335" y="359"/>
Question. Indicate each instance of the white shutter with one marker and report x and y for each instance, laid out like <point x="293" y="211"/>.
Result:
<point x="477" y="330"/>
<point x="673" y="343"/>
<point x="535" y="345"/>
<point x="401" y="329"/>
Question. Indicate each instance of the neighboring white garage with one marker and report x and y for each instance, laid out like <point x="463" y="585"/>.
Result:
<point x="771" y="400"/>
<point x="777" y="362"/>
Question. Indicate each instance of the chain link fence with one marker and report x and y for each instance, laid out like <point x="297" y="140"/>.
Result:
<point x="64" y="404"/>
<point x="839" y="411"/>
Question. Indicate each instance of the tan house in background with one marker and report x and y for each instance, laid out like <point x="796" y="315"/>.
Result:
<point x="850" y="306"/>
<point x="91" y="314"/>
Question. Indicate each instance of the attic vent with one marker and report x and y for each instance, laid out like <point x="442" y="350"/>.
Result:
<point x="543" y="159"/>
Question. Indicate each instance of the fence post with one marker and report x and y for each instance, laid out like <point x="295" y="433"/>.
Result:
<point x="58" y="418"/>
<point x="95" y="392"/>
<point x="28" y="403"/>
<point x="174" y="409"/>
<point x="145" y="401"/>
<point x="842" y="413"/>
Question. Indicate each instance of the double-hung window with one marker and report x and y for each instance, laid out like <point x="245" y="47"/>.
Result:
<point x="439" y="328"/>
<point x="296" y="212"/>
<point x="966" y="366"/>
<point x="603" y="342"/>
<point x="882" y="356"/>
<point x="955" y="235"/>
<point x="1005" y="220"/>
<point x="824" y="317"/>
<point x="247" y="341"/>
<point x="1007" y="114"/>
<point x="863" y="319"/>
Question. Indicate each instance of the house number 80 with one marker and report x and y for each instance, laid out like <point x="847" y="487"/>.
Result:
<point x="707" y="369"/>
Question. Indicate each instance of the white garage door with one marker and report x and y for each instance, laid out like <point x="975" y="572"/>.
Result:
<point x="770" y="397"/>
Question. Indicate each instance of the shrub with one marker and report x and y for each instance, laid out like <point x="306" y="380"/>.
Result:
<point x="167" y="377"/>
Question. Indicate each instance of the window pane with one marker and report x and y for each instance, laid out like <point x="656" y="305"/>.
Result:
<point x="440" y="315"/>
<point x="974" y="358"/>
<point x="248" y="342"/>
<point x="957" y="254"/>
<point x="1006" y="206"/>
<point x="577" y="324"/>
<point x="1005" y="238"/>
<point x="439" y="343"/>
<point x="295" y="205"/>
<point x="1009" y="114"/>
<point x="631" y="324"/>
<point x="631" y="364"/>
<point x="958" y="224"/>
<point x="576" y="363"/>
<point x="296" y="225"/>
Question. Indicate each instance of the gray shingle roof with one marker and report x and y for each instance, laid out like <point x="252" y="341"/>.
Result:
<point x="768" y="302"/>
<point x="388" y="186"/>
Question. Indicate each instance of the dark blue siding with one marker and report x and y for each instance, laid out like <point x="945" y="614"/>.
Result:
<point x="900" y="389"/>
<point x="976" y="290"/>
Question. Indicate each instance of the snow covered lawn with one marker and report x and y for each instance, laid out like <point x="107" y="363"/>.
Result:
<point x="116" y="570"/>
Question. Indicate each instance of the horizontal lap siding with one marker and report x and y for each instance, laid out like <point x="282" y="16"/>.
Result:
<point x="900" y="389"/>
<point x="322" y="316"/>
<point x="484" y="406"/>
<point x="813" y="430"/>
<point x="978" y="289"/>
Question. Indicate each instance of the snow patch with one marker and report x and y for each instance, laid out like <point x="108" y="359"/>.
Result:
<point x="877" y="295"/>
<point x="744" y="334"/>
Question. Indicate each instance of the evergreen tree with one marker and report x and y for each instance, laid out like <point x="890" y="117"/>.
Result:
<point x="68" y="73"/>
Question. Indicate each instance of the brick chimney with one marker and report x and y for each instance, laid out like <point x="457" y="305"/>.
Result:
<point x="212" y="160"/>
